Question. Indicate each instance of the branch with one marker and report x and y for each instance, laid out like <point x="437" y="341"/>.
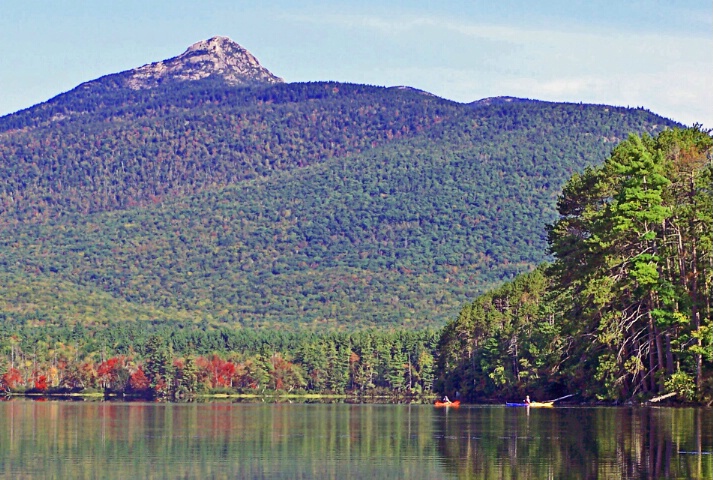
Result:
<point x="662" y="397"/>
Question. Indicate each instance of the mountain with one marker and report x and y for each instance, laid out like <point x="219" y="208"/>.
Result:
<point x="263" y="203"/>
<point x="216" y="57"/>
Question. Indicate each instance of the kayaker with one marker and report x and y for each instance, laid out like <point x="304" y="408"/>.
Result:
<point x="527" y="400"/>
<point x="446" y="399"/>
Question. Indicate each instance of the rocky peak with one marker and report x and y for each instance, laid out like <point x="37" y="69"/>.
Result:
<point x="217" y="56"/>
<point x="485" y="102"/>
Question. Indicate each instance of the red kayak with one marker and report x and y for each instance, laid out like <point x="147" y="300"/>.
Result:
<point x="447" y="404"/>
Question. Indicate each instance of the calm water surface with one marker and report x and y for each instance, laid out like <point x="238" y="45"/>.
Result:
<point x="55" y="439"/>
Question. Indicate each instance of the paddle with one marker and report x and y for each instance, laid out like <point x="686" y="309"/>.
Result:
<point x="561" y="398"/>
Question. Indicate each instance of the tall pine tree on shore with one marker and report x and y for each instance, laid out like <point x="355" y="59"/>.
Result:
<point x="634" y="259"/>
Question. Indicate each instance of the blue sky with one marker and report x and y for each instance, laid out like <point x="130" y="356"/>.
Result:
<point x="654" y="54"/>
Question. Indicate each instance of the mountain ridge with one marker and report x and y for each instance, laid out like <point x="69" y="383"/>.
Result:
<point x="320" y="205"/>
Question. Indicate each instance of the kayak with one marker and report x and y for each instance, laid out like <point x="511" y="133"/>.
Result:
<point x="532" y="404"/>
<point x="447" y="404"/>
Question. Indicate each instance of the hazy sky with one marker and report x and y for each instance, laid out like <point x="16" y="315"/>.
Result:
<point x="650" y="53"/>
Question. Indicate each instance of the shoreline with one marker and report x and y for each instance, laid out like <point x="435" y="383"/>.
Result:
<point x="327" y="398"/>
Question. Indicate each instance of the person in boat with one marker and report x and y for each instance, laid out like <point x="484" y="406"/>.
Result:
<point x="527" y="400"/>
<point x="446" y="399"/>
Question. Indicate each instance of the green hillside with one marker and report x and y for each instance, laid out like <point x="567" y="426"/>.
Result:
<point x="318" y="205"/>
<point x="97" y="149"/>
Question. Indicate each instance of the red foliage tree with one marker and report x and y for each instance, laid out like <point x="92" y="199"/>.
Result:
<point x="113" y="373"/>
<point x="106" y="371"/>
<point x="139" y="382"/>
<point x="40" y="382"/>
<point x="222" y="372"/>
<point x="11" y="379"/>
<point x="218" y="372"/>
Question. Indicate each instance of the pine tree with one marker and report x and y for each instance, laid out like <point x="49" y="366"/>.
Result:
<point x="629" y="258"/>
<point x="157" y="366"/>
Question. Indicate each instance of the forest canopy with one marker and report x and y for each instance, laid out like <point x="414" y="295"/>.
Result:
<point x="317" y="205"/>
<point x="624" y="312"/>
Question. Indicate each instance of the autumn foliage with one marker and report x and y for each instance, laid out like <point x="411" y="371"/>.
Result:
<point x="11" y="379"/>
<point x="138" y="381"/>
<point x="41" y="383"/>
<point x="218" y="372"/>
<point x="253" y="363"/>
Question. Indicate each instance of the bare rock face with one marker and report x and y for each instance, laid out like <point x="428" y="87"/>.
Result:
<point x="485" y="102"/>
<point x="217" y="56"/>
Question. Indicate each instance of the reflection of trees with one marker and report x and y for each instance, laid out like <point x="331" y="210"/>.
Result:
<point x="576" y="443"/>
<point x="122" y="440"/>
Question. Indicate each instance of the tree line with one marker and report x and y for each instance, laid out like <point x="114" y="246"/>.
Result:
<point x="173" y="360"/>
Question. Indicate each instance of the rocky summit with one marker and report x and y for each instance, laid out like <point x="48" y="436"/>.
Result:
<point x="217" y="56"/>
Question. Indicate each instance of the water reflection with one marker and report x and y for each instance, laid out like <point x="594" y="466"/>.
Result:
<point x="577" y="443"/>
<point x="136" y="440"/>
<point x="140" y="440"/>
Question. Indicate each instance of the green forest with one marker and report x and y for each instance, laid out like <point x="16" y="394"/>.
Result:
<point x="623" y="313"/>
<point x="338" y="238"/>
<point x="178" y="361"/>
<point x="318" y="206"/>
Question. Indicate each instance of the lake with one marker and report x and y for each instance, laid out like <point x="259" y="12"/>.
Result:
<point x="65" y="439"/>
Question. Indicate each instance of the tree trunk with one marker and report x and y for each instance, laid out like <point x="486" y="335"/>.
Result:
<point x="669" y="355"/>
<point x="695" y="317"/>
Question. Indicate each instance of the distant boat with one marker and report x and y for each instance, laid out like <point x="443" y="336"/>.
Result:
<point x="532" y="404"/>
<point x="447" y="404"/>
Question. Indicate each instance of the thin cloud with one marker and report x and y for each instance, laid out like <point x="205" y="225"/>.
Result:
<point x="663" y="72"/>
<point x="399" y="25"/>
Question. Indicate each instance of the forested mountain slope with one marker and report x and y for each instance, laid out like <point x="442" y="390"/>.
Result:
<point x="296" y="204"/>
<point x="127" y="148"/>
